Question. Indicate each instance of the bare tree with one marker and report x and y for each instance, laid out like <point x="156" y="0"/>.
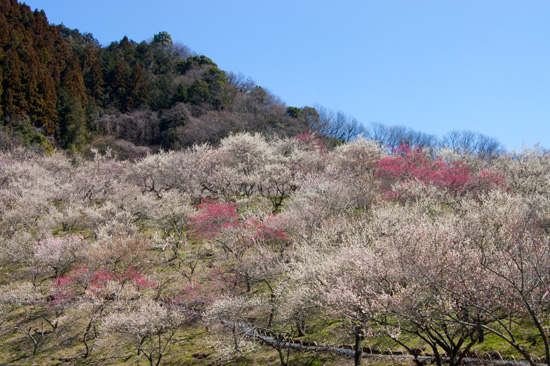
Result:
<point x="468" y="142"/>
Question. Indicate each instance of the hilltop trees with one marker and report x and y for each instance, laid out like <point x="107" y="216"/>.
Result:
<point x="65" y="83"/>
<point x="67" y="88"/>
<point x="38" y="67"/>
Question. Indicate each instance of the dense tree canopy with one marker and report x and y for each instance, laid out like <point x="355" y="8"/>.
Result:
<point x="64" y="83"/>
<point x="60" y="88"/>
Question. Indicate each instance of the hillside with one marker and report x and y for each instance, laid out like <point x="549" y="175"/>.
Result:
<point x="60" y="86"/>
<point x="179" y="257"/>
<point x="157" y="210"/>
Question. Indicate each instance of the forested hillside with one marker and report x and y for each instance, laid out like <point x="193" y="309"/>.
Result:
<point x="59" y="88"/>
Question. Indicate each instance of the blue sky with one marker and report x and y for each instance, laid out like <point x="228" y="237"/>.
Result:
<point x="434" y="66"/>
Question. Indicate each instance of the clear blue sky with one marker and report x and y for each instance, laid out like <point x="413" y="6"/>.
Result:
<point x="435" y="66"/>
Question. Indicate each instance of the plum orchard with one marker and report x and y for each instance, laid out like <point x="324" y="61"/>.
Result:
<point x="117" y="260"/>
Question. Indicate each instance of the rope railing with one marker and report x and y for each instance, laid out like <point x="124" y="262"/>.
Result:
<point x="270" y="337"/>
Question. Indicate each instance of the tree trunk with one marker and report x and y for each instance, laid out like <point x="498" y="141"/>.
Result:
<point x="272" y="301"/>
<point x="85" y="340"/>
<point x="358" y="346"/>
<point x="437" y="356"/>
<point x="247" y="280"/>
<point x="301" y="327"/>
<point x="281" y="355"/>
